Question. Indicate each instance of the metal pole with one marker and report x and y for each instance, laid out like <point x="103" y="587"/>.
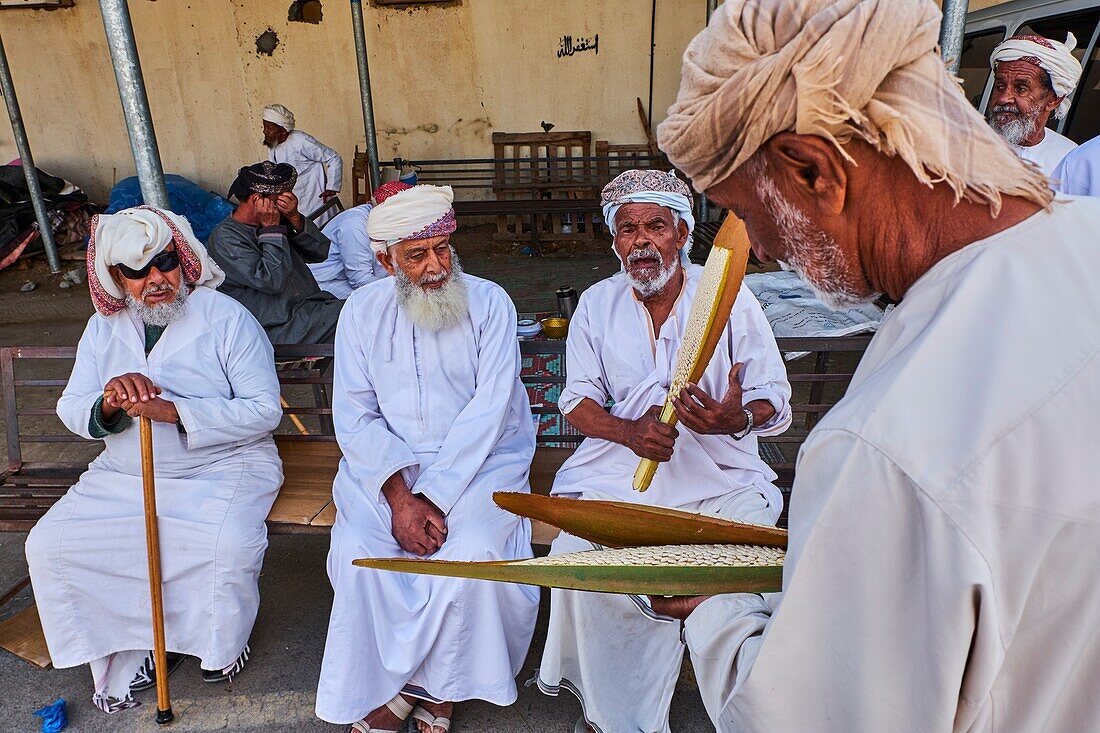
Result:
<point x="364" y="90"/>
<point x="704" y="205"/>
<point x="7" y="86"/>
<point x="135" y="102"/>
<point x="952" y="30"/>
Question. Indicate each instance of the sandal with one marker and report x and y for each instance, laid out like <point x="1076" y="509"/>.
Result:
<point x="399" y="706"/>
<point x="421" y="713"/>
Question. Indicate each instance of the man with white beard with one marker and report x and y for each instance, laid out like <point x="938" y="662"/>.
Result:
<point x="944" y="523"/>
<point x="164" y="345"/>
<point x="622" y="347"/>
<point x="1033" y="79"/>
<point x="432" y="419"/>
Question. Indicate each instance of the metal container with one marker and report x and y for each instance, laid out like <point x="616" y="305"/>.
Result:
<point x="567" y="302"/>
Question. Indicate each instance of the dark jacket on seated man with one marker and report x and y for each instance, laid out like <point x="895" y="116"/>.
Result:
<point x="264" y="247"/>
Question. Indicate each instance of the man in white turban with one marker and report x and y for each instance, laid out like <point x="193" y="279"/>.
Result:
<point x="944" y="516"/>
<point x="1033" y="80"/>
<point x="432" y="419"/>
<point x="165" y="345"/>
<point x="320" y="168"/>
<point x="622" y="347"/>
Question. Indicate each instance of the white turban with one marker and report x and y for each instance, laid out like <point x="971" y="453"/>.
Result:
<point x="842" y="70"/>
<point x="132" y="237"/>
<point x="1055" y="58"/>
<point x="419" y="212"/>
<point x="280" y="115"/>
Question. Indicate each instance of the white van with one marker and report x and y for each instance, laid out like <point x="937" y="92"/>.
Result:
<point x="1052" y="19"/>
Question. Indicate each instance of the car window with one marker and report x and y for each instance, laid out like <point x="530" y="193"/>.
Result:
<point x="974" y="62"/>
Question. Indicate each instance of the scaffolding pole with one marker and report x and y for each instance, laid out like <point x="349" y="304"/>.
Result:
<point x="135" y="102"/>
<point x="19" y="132"/>
<point x="952" y="30"/>
<point x="364" y="90"/>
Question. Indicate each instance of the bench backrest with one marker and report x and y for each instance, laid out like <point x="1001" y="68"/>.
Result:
<point x="40" y="449"/>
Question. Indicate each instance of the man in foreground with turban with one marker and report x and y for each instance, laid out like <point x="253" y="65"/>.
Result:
<point x="622" y="348"/>
<point x="320" y="168"/>
<point x="941" y="571"/>
<point x="163" y="345"/>
<point x="432" y="419"/>
<point x="265" y="247"/>
<point x="1033" y="79"/>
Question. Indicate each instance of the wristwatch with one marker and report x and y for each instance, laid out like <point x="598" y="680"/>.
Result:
<point x="748" y="426"/>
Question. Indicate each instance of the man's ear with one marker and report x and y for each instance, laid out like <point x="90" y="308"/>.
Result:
<point x="809" y="168"/>
<point x="684" y="232"/>
<point x="384" y="260"/>
<point x="116" y="275"/>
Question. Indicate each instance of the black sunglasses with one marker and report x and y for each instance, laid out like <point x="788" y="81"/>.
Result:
<point x="165" y="262"/>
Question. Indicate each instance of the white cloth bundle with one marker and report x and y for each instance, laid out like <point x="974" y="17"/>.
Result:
<point x="280" y="115"/>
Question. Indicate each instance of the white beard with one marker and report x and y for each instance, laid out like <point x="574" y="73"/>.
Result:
<point x="433" y="310"/>
<point x="810" y="250"/>
<point x="649" y="288"/>
<point x="1017" y="129"/>
<point x="164" y="313"/>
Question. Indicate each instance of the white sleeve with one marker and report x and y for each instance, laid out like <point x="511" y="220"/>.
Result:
<point x="317" y="151"/>
<point x="372" y="452"/>
<point x="480" y="424"/>
<point x="764" y="375"/>
<point x="85" y="385"/>
<point x="886" y="609"/>
<point x="254" y="409"/>
<point x="583" y="370"/>
<point x="360" y="264"/>
<point x="1074" y="175"/>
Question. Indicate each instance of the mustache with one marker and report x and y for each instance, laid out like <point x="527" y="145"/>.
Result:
<point x="433" y="279"/>
<point x="1009" y="109"/>
<point x="157" y="288"/>
<point x="642" y="254"/>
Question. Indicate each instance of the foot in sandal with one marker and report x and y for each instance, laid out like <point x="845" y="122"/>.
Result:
<point x="389" y="718"/>
<point x="433" y="717"/>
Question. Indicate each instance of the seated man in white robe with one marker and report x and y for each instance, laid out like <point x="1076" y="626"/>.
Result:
<point x="164" y="345"/>
<point x="351" y="263"/>
<point x="609" y="650"/>
<point x="1033" y="80"/>
<point x="432" y="419"/>
<point x="944" y="521"/>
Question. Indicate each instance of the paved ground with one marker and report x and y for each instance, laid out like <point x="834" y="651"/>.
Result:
<point x="276" y="691"/>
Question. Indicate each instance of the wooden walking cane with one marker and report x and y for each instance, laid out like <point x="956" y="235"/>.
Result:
<point x="152" y="542"/>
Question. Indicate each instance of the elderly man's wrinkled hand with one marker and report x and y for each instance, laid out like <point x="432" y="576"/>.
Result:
<point x="679" y="607"/>
<point x="287" y="204"/>
<point x="157" y="409"/>
<point x="650" y="438"/>
<point x="702" y="414"/>
<point x="266" y="211"/>
<point x="417" y="524"/>
<point x="125" y="390"/>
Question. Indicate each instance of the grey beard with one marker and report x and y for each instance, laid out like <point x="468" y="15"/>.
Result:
<point x="163" y="314"/>
<point x="433" y="310"/>
<point x="810" y="250"/>
<point x="1016" y="130"/>
<point x="649" y="288"/>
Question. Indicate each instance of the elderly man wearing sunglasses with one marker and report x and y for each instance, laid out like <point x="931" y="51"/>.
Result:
<point x="165" y="345"/>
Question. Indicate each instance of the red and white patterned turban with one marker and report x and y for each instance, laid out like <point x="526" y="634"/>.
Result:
<point x="419" y="212"/>
<point x="134" y="236"/>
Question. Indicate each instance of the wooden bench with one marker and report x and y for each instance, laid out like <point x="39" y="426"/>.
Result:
<point x="31" y="379"/>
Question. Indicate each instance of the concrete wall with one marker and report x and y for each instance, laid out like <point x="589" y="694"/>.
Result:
<point x="444" y="78"/>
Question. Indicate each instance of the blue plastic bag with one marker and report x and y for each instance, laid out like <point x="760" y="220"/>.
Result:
<point x="54" y="717"/>
<point x="203" y="209"/>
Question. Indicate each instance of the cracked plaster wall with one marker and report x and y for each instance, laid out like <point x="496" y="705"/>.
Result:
<point x="444" y="79"/>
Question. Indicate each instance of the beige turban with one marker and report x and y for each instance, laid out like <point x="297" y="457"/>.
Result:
<point x="280" y="115"/>
<point x="1055" y="58"/>
<point x="842" y="70"/>
<point x="419" y="212"/>
<point x="132" y="237"/>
